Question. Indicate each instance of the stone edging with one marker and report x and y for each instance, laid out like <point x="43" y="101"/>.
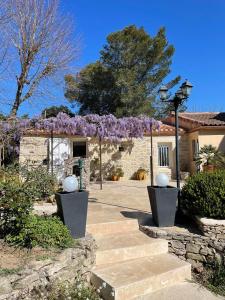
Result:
<point x="211" y="227"/>
<point x="69" y="264"/>
<point x="210" y="222"/>
<point x="195" y="248"/>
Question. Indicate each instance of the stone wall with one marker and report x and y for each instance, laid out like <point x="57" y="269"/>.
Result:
<point x="33" y="150"/>
<point x="211" y="228"/>
<point x="135" y="154"/>
<point x="128" y="154"/>
<point x="38" y="275"/>
<point x="36" y="151"/>
<point x="193" y="247"/>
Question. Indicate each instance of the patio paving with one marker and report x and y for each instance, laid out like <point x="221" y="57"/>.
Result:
<point x="119" y="200"/>
<point x="130" y="194"/>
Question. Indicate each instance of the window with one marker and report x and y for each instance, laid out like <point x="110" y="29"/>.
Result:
<point x="163" y="155"/>
<point x="79" y="149"/>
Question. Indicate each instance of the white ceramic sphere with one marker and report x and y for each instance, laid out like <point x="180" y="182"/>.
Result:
<point x="162" y="180"/>
<point x="70" y="184"/>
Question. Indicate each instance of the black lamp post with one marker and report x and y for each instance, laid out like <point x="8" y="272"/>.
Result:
<point x="177" y="100"/>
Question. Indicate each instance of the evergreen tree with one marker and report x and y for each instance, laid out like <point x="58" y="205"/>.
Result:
<point x="53" y="111"/>
<point x="125" y="80"/>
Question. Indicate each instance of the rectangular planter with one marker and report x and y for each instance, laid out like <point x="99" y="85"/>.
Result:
<point x="72" y="209"/>
<point x="163" y="204"/>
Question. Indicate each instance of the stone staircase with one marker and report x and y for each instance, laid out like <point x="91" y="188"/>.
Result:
<point x="129" y="264"/>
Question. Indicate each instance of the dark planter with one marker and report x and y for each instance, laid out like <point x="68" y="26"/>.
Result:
<point x="72" y="209"/>
<point x="163" y="204"/>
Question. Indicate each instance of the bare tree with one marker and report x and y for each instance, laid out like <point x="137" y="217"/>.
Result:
<point x="4" y="19"/>
<point x="40" y="42"/>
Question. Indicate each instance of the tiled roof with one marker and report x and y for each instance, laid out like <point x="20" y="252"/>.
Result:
<point x="167" y="130"/>
<point x="205" y="118"/>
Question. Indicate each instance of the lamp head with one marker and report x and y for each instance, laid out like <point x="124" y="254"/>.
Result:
<point x="186" y="88"/>
<point x="179" y="94"/>
<point x="163" y="92"/>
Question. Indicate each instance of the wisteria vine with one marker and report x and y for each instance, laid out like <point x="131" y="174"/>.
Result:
<point x="104" y="127"/>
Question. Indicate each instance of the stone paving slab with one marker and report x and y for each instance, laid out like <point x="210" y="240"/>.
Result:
<point x="182" y="291"/>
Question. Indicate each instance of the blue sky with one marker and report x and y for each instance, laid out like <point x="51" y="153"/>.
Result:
<point x="196" y="28"/>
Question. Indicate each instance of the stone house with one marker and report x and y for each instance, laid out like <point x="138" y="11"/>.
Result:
<point x="196" y="130"/>
<point x="206" y="128"/>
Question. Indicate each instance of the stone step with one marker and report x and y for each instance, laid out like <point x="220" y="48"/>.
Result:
<point x="133" y="278"/>
<point x="112" y="227"/>
<point x="126" y="246"/>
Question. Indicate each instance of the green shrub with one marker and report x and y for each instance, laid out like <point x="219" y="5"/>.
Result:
<point x="15" y="205"/>
<point x="19" y="188"/>
<point x="38" y="181"/>
<point x="216" y="281"/>
<point x="74" y="291"/>
<point x="213" y="278"/>
<point x="204" y="195"/>
<point x="43" y="231"/>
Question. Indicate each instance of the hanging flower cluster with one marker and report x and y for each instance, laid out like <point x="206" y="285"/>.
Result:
<point x="104" y="127"/>
<point x="11" y="132"/>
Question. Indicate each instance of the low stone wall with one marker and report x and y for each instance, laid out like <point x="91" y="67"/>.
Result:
<point x="187" y="245"/>
<point x="212" y="228"/>
<point x="38" y="275"/>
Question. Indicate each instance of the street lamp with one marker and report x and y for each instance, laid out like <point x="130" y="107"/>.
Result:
<point x="177" y="100"/>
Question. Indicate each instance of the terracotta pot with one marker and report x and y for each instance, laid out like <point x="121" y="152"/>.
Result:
<point x="209" y="168"/>
<point x="115" y="178"/>
<point x="141" y="175"/>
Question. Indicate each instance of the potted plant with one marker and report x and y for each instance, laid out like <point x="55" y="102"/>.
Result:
<point x="117" y="172"/>
<point x="163" y="199"/>
<point x="141" y="174"/>
<point x="72" y="205"/>
<point x="207" y="157"/>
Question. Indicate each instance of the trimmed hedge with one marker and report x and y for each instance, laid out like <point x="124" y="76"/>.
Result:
<point x="204" y="195"/>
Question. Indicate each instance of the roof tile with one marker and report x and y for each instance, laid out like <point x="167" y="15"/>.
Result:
<point x="205" y="118"/>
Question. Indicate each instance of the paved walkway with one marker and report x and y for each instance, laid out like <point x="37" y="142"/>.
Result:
<point x="183" y="291"/>
<point x="130" y="194"/>
<point x="118" y="201"/>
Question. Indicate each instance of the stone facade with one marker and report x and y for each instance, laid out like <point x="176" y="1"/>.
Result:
<point x="192" y="247"/>
<point x="36" y="151"/>
<point x="33" y="150"/>
<point x="130" y="155"/>
<point x="38" y="275"/>
<point x="134" y="154"/>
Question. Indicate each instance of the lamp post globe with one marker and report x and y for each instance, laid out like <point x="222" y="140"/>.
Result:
<point x="163" y="92"/>
<point x="186" y="88"/>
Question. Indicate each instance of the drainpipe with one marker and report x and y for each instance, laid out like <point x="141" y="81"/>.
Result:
<point x="52" y="152"/>
<point x="100" y="161"/>
<point x="151" y="160"/>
